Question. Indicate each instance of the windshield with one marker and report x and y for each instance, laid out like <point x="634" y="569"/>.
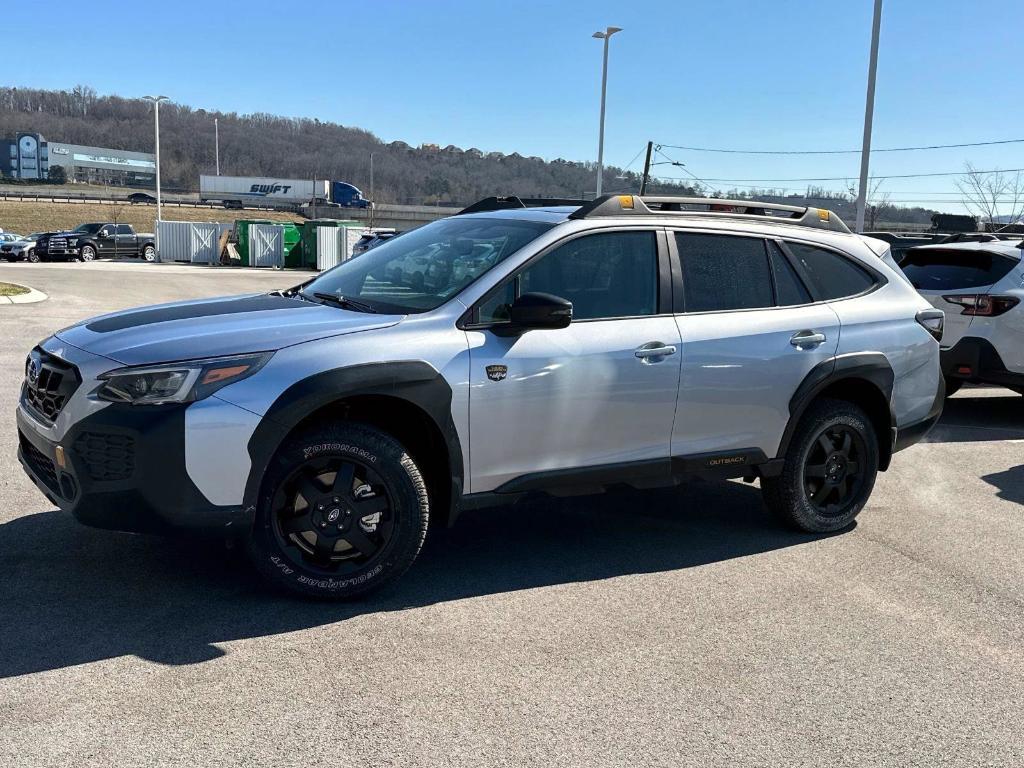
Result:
<point x="87" y="229"/>
<point x="424" y="268"/>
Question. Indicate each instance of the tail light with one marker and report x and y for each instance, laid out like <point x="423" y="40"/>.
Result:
<point x="982" y="304"/>
<point x="932" y="320"/>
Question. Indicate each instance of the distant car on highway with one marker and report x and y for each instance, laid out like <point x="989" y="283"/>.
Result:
<point x="140" y="197"/>
<point x="19" y="248"/>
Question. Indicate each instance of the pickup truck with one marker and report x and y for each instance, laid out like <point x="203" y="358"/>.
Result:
<point x="87" y="242"/>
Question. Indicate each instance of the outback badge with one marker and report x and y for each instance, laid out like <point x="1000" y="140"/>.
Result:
<point x="497" y="372"/>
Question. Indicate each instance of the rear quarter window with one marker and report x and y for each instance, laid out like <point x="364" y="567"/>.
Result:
<point x="832" y="276"/>
<point x="936" y="269"/>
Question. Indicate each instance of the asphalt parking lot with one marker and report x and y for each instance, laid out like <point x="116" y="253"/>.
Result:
<point x="675" y="627"/>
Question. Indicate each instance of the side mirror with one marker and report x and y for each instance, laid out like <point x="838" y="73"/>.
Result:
<point x="540" y="310"/>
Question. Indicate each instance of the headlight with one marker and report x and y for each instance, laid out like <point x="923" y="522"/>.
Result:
<point x="177" y="382"/>
<point x="73" y="241"/>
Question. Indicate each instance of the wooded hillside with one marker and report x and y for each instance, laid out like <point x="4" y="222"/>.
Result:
<point x="268" y="145"/>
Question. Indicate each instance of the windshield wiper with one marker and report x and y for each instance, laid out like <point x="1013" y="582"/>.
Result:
<point x="345" y="303"/>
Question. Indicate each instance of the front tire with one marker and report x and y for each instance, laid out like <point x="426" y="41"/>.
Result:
<point x="32" y="257"/>
<point x="343" y="511"/>
<point x="88" y="253"/>
<point x="829" y="469"/>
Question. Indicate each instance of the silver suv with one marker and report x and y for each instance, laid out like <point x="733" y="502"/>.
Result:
<point x="514" y="348"/>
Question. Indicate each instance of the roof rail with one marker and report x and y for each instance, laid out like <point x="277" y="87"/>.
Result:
<point x="635" y="205"/>
<point x="511" y="202"/>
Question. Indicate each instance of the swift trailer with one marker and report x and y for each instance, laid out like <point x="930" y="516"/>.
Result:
<point x="260" y="191"/>
<point x="263" y="191"/>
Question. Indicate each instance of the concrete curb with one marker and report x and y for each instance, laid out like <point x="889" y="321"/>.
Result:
<point x="23" y="298"/>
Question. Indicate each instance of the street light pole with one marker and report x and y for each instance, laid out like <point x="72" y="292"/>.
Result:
<point x="606" y="36"/>
<point x="216" y="144"/>
<point x="156" y="130"/>
<point x="869" y="113"/>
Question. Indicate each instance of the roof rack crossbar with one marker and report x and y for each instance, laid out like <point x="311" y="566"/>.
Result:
<point x="635" y="205"/>
<point x="513" y="202"/>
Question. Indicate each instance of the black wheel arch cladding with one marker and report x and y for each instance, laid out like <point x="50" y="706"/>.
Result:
<point x="870" y="367"/>
<point x="415" y="382"/>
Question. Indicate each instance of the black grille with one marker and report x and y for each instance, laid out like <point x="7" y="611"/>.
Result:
<point x="49" y="382"/>
<point x="40" y="464"/>
<point x="106" y="457"/>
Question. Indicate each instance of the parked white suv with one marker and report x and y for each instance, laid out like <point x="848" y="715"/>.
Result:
<point x="980" y="287"/>
<point x="501" y="352"/>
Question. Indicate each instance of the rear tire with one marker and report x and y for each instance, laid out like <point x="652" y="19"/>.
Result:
<point x="315" y="531"/>
<point x="149" y="253"/>
<point x="829" y="469"/>
<point x="953" y="386"/>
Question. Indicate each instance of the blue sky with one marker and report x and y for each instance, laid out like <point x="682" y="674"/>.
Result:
<point x="524" y="76"/>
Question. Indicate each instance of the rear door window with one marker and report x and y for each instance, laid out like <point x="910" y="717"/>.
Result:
<point x="832" y="276"/>
<point x="724" y="272"/>
<point x="950" y="269"/>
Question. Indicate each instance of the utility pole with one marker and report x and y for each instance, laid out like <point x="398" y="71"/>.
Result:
<point x="869" y="112"/>
<point x="216" y="143"/>
<point x="647" y="169"/>
<point x="371" y="191"/>
<point x="156" y="130"/>
<point x="606" y="36"/>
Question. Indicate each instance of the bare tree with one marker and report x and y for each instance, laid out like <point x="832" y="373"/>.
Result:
<point x="991" y="194"/>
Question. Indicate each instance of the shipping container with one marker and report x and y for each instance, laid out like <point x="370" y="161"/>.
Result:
<point x="261" y="190"/>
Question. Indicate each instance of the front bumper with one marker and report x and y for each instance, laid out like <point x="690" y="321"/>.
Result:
<point x="976" y="360"/>
<point x="123" y="468"/>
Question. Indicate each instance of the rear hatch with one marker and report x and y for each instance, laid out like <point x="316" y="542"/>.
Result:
<point x="938" y="272"/>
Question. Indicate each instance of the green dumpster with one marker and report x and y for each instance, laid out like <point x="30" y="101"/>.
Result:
<point x="309" y="237"/>
<point x="242" y="234"/>
<point x="292" y="240"/>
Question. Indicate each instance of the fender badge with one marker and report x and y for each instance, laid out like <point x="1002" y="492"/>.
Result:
<point x="497" y="372"/>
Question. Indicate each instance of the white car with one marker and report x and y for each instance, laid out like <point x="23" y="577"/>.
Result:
<point x="980" y="287"/>
<point x="18" y="248"/>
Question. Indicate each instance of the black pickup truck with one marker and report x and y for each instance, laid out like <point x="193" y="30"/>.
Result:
<point x="96" y="240"/>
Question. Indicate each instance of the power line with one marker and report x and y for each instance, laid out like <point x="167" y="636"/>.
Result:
<point x="840" y="151"/>
<point x="848" y="178"/>
<point x="626" y="167"/>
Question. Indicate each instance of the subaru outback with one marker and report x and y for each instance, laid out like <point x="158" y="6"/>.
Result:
<point x="556" y="347"/>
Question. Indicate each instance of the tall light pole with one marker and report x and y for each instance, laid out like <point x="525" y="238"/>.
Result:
<point x="216" y="144"/>
<point x="156" y="129"/>
<point x="606" y="36"/>
<point x="869" y="113"/>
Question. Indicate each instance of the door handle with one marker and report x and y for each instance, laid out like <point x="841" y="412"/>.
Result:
<point x="654" y="349"/>
<point x="807" y="339"/>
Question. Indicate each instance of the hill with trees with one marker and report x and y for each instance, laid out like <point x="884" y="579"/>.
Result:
<point x="269" y="145"/>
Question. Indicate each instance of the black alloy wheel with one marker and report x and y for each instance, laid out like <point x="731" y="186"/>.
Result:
<point x="834" y="469"/>
<point x="342" y="511"/>
<point x="334" y="514"/>
<point x="829" y="468"/>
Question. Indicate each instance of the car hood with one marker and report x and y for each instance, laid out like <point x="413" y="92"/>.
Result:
<point x="214" y="327"/>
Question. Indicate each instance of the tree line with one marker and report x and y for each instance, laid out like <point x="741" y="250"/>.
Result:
<point x="261" y="144"/>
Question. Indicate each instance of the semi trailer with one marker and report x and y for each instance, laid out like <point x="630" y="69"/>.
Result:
<point x="240" y="191"/>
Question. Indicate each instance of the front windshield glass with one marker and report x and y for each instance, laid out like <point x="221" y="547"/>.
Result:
<point x="87" y="229"/>
<point x="424" y="268"/>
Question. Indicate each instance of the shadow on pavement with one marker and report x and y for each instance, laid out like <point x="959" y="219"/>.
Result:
<point x="71" y="595"/>
<point x="1010" y="483"/>
<point x="967" y="419"/>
